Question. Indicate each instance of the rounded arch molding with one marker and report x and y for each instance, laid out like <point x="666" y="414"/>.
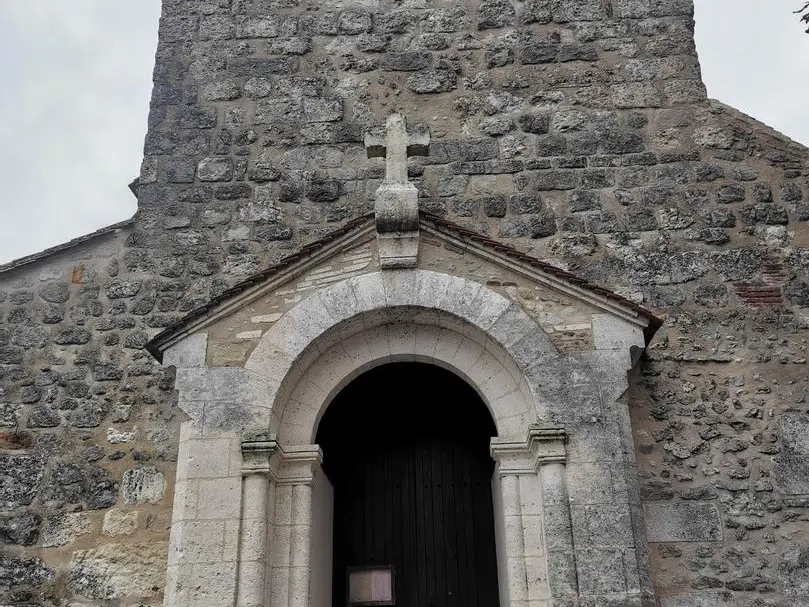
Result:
<point x="341" y="331"/>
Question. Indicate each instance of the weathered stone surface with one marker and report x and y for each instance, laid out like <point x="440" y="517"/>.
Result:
<point x="792" y="464"/>
<point x="62" y="529"/>
<point x="118" y="571"/>
<point x="120" y="522"/>
<point x="682" y="522"/>
<point x="577" y="131"/>
<point x="20" y="478"/>
<point x="143" y="485"/>
<point x="16" y="571"/>
<point x="19" y="529"/>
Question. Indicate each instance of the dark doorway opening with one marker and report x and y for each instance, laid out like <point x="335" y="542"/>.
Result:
<point x="406" y="447"/>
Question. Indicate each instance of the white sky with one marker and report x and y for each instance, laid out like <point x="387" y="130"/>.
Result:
<point x="75" y="81"/>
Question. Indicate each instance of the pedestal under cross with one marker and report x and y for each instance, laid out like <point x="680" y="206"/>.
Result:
<point x="395" y="145"/>
<point x="396" y="208"/>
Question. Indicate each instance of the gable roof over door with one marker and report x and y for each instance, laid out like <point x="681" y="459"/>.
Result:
<point x="363" y="228"/>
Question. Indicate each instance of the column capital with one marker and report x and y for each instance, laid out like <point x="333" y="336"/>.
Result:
<point x="543" y="445"/>
<point x="256" y="454"/>
<point x="295" y="464"/>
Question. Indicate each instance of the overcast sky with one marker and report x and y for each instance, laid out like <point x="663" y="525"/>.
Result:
<point x="75" y="80"/>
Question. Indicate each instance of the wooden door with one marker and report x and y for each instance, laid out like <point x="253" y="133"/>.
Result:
<point x="417" y="498"/>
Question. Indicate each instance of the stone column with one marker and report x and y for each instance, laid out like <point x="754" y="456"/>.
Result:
<point x="292" y="476"/>
<point x="538" y="541"/>
<point x="256" y="495"/>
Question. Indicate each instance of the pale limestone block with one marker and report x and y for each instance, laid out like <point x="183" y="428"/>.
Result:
<point x="299" y="586"/>
<point x="425" y="341"/>
<point x="447" y="345"/>
<point x="265" y="318"/>
<point x="189" y="430"/>
<point x="299" y="541"/>
<point x="590" y="483"/>
<point x="402" y="340"/>
<point x="338" y="364"/>
<point x="186" y="493"/>
<point x="339" y="300"/>
<point x="512" y="325"/>
<point x="467" y="355"/>
<point x="281" y="541"/>
<point x="283" y="505"/>
<point x="612" y="333"/>
<point x="357" y="351"/>
<point x="515" y="570"/>
<point x="143" y="485"/>
<point x="201" y="542"/>
<point x="175" y="593"/>
<point x="279" y="590"/>
<point x="530" y="495"/>
<point x="129" y="570"/>
<point x="369" y="292"/>
<point x="62" y="529"/>
<point x="537" y="578"/>
<point x="251" y="583"/>
<point x="485" y="368"/>
<point x="512" y="426"/>
<point x="230" y="540"/>
<point x="188" y="352"/>
<point x="255" y="334"/>
<point x="377" y="340"/>
<point x="399" y="286"/>
<point x="512" y="524"/>
<point x="255" y="550"/>
<point x="499" y="384"/>
<point x="219" y="498"/>
<point x="533" y="535"/>
<point x="206" y="458"/>
<point x="510" y="405"/>
<point x="120" y="522"/>
<point x="485" y="308"/>
<point x="212" y="584"/>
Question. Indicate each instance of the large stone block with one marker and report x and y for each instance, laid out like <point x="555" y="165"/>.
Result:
<point x="792" y="464"/>
<point x="679" y="522"/>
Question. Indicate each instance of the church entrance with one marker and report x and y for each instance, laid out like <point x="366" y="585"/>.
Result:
<point x="406" y="448"/>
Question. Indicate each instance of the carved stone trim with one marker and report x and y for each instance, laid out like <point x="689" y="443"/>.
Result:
<point x="295" y="465"/>
<point x="544" y="444"/>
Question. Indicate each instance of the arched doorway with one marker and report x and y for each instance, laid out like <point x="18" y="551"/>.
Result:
<point x="406" y="448"/>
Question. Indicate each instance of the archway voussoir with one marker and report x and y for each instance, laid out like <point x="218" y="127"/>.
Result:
<point x="512" y="325"/>
<point x="399" y="287"/>
<point x="369" y="291"/>
<point x="339" y="300"/>
<point x="426" y="340"/>
<point x="486" y="308"/>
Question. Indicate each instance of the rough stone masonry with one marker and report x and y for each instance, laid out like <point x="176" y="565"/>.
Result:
<point x="577" y="131"/>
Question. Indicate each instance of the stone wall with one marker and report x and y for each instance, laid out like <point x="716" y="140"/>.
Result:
<point x="576" y="130"/>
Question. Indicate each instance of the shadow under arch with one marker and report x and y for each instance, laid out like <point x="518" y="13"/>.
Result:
<point x="415" y="492"/>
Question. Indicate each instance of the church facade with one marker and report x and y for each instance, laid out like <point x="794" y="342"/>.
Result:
<point x="424" y="304"/>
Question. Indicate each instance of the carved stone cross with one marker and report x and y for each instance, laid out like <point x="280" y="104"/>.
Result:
<point x="396" y="144"/>
<point x="396" y="207"/>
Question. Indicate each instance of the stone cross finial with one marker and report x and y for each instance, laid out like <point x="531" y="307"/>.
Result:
<point x="396" y="144"/>
<point x="397" y="200"/>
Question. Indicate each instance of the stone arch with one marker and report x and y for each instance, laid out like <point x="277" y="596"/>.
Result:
<point x="329" y="338"/>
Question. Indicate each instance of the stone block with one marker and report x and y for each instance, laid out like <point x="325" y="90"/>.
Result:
<point x="115" y="571"/>
<point x="699" y="599"/>
<point x="682" y="522"/>
<point x="62" y="529"/>
<point x="143" y="485"/>
<point x="120" y="522"/>
<point x="792" y="464"/>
